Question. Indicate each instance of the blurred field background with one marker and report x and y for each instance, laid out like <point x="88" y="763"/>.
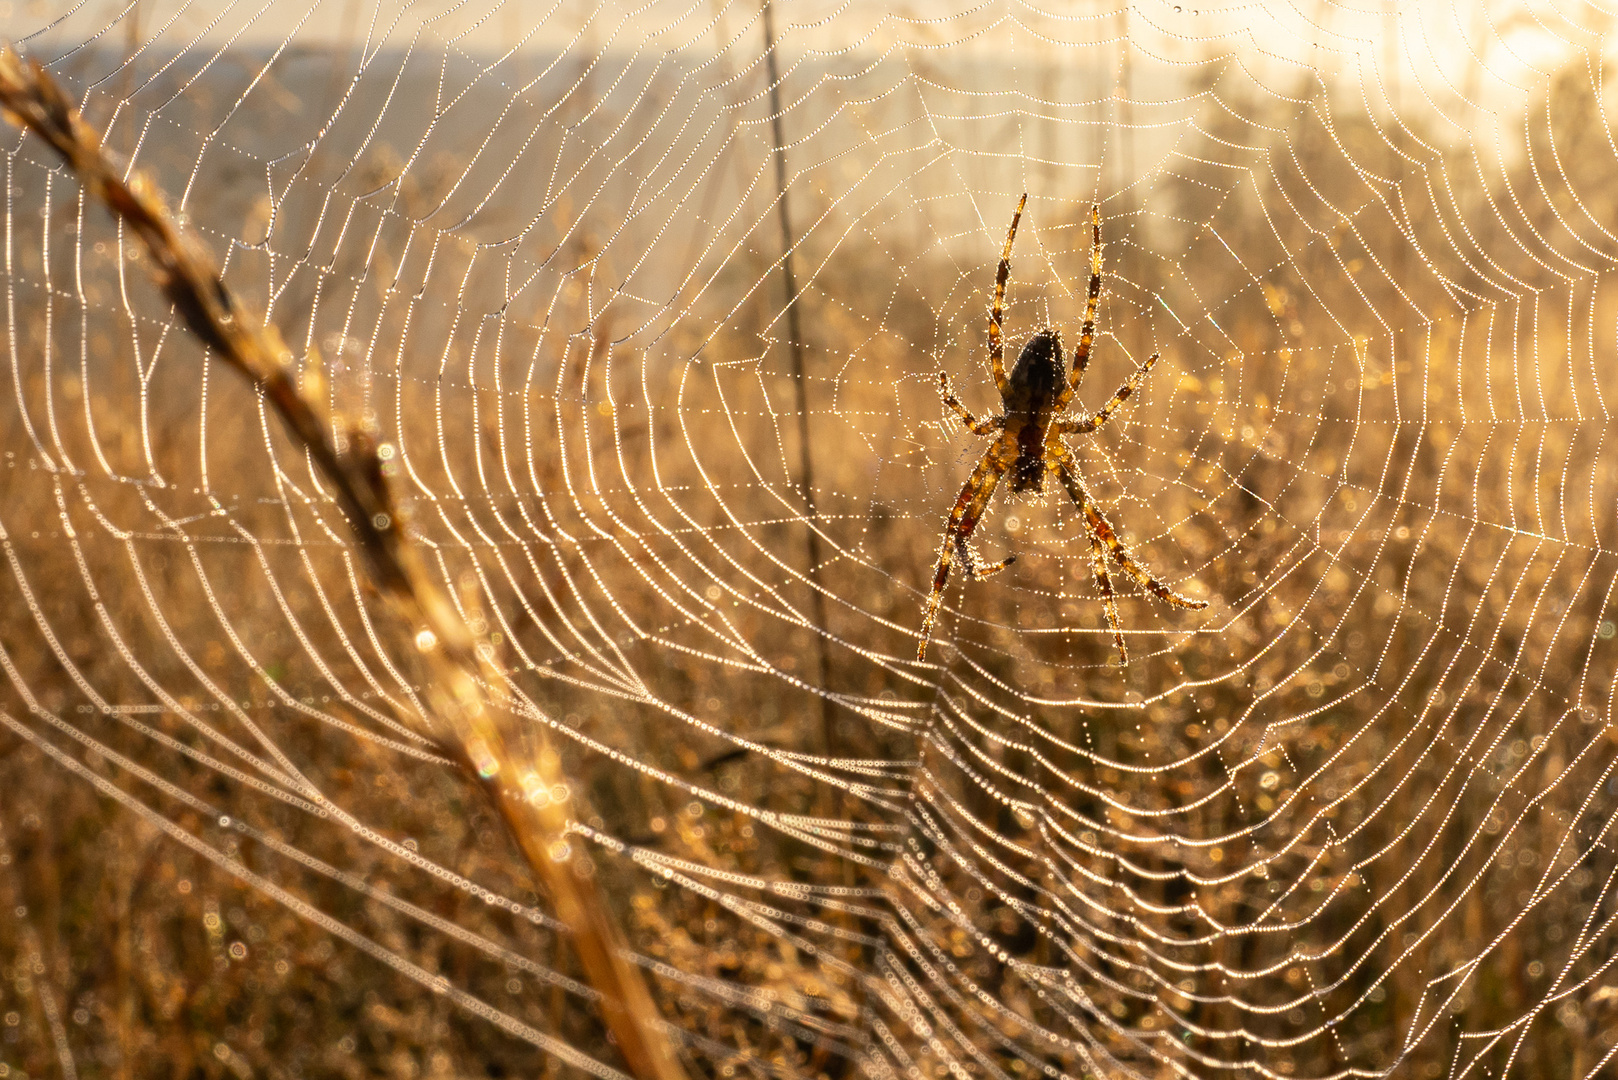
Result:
<point x="1353" y="819"/>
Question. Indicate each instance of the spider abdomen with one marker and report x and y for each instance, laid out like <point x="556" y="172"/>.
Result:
<point x="1037" y="378"/>
<point x="1032" y="392"/>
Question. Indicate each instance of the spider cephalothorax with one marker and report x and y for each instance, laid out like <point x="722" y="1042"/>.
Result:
<point x="1028" y="444"/>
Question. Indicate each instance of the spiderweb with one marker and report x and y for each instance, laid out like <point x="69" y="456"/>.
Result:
<point x="648" y="304"/>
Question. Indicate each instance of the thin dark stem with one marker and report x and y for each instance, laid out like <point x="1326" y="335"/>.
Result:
<point x="806" y="469"/>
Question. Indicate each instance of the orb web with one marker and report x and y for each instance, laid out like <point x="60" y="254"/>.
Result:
<point x="648" y="305"/>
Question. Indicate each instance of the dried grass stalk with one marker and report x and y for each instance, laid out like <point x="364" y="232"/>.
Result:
<point x="520" y="773"/>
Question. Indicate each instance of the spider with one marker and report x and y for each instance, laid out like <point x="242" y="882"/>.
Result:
<point x="1027" y="444"/>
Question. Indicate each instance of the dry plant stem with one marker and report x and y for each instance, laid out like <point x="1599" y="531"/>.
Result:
<point x="831" y="745"/>
<point x="522" y="776"/>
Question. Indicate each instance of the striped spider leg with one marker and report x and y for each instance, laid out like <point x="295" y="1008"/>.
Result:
<point x="1102" y="535"/>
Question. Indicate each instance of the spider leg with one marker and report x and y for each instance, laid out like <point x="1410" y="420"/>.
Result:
<point x="974" y="571"/>
<point x="1087" y="335"/>
<point x="1098" y="561"/>
<point x="997" y="344"/>
<point x="1101" y="532"/>
<point x="1085" y="426"/>
<point x="979" y="427"/>
<point x="963" y="518"/>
